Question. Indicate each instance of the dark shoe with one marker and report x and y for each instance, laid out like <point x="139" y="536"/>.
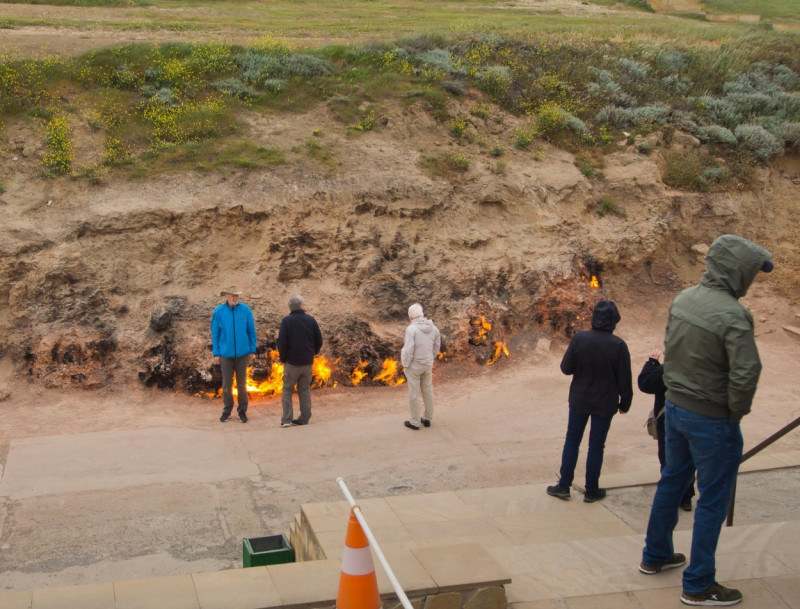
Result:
<point x="686" y="506"/>
<point x="410" y="425"/>
<point x="595" y="495"/>
<point x="425" y="422"/>
<point x="243" y="418"/>
<point x="716" y="595"/>
<point x="559" y="490"/>
<point x="286" y="424"/>
<point x="677" y="560"/>
<point x="224" y="417"/>
<point x="298" y="422"/>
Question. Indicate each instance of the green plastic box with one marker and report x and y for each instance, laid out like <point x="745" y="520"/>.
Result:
<point x="270" y="550"/>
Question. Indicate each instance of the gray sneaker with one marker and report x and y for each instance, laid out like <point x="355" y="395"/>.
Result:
<point x="716" y="595"/>
<point x="559" y="490"/>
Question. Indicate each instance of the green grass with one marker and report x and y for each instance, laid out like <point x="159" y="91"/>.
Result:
<point x="769" y="10"/>
<point x="578" y="83"/>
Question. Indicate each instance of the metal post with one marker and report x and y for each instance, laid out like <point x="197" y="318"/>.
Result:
<point x="401" y="595"/>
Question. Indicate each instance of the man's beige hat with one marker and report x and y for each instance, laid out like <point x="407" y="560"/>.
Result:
<point x="233" y="291"/>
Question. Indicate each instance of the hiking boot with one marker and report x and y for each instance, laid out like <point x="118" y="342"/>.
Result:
<point x="410" y="425"/>
<point x="243" y="418"/>
<point x="716" y="595"/>
<point x="595" y="495"/>
<point x="426" y="422"/>
<point x="676" y="560"/>
<point x="224" y="417"/>
<point x="559" y="490"/>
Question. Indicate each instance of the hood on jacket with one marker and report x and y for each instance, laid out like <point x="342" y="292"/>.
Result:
<point x="732" y="264"/>
<point x="605" y="316"/>
<point x="423" y="323"/>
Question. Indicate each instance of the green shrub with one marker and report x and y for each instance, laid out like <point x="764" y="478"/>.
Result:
<point x="608" y="205"/>
<point x="440" y="59"/>
<point x="458" y="126"/>
<point x="235" y="88"/>
<point x="684" y="170"/>
<point x="634" y="69"/>
<point x="60" y="151"/>
<point x="494" y="80"/>
<point x="759" y="141"/>
<point x="716" y="135"/>
<point x="446" y="164"/>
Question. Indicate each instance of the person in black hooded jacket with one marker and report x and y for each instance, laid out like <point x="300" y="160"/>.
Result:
<point x="600" y="365"/>
<point x="651" y="380"/>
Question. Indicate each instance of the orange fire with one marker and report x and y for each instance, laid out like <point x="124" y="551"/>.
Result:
<point x="499" y="350"/>
<point x="593" y="282"/>
<point x="321" y="372"/>
<point x="388" y="374"/>
<point x="481" y="329"/>
<point x="359" y="372"/>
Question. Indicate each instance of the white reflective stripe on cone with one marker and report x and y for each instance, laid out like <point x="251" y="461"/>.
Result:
<point x="357" y="561"/>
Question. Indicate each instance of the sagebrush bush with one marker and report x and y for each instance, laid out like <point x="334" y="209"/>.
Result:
<point x="495" y="80"/>
<point x="760" y="141"/>
<point x="717" y="135"/>
<point x="441" y="59"/>
<point x="234" y="87"/>
<point x="635" y="70"/>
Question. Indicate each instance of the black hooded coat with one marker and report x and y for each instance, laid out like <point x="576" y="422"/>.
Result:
<point x="600" y="365"/>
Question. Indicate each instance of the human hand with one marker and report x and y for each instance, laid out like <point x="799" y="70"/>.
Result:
<point x="251" y="357"/>
<point x="656" y="354"/>
<point x="217" y="360"/>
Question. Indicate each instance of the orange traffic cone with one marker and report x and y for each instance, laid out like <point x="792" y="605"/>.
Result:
<point x="358" y="585"/>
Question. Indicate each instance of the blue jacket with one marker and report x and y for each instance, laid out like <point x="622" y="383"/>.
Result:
<point x="233" y="331"/>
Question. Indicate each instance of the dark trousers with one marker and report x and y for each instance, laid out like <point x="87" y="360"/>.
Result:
<point x="230" y="366"/>
<point x="576" y="425"/>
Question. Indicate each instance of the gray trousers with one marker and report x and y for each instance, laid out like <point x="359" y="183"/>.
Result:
<point x="230" y="365"/>
<point x="420" y="382"/>
<point x="301" y="377"/>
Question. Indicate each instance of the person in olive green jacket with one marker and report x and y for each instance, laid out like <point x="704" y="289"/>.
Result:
<point x="711" y="369"/>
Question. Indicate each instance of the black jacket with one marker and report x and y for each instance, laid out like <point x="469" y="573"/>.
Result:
<point x="651" y="380"/>
<point x="299" y="339"/>
<point x="600" y="365"/>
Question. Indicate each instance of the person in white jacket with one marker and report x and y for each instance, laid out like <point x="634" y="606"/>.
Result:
<point x="420" y="349"/>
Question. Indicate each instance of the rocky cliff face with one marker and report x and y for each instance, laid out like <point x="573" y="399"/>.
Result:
<point x="115" y="282"/>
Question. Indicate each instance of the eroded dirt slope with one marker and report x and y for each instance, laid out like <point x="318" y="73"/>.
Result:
<point x="115" y="283"/>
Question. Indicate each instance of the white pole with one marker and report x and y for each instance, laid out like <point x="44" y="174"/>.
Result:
<point x="374" y="545"/>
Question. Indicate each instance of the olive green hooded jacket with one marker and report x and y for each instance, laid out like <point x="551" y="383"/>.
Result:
<point x="711" y="363"/>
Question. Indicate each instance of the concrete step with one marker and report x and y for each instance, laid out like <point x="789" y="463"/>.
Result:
<point x="793" y="331"/>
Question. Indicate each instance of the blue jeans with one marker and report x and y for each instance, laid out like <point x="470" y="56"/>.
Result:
<point x="597" y="443"/>
<point x="714" y="447"/>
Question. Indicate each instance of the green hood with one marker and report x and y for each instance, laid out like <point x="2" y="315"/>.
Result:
<point x="732" y="264"/>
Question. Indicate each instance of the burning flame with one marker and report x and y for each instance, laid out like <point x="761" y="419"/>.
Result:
<point x="593" y="282"/>
<point x="359" y="372"/>
<point x="388" y="374"/>
<point x="481" y="329"/>
<point x="321" y="372"/>
<point x="499" y="349"/>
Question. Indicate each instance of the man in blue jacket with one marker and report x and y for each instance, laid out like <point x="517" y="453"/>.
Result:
<point x="233" y="344"/>
<point x="602" y="385"/>
<point x="299" y="340"/>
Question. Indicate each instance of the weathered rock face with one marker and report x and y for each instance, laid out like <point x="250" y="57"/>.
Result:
<point x="116" y="283"/>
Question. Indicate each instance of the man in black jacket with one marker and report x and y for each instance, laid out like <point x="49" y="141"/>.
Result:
<point x="600" y="365"/>
<point x="299" y="340"/>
